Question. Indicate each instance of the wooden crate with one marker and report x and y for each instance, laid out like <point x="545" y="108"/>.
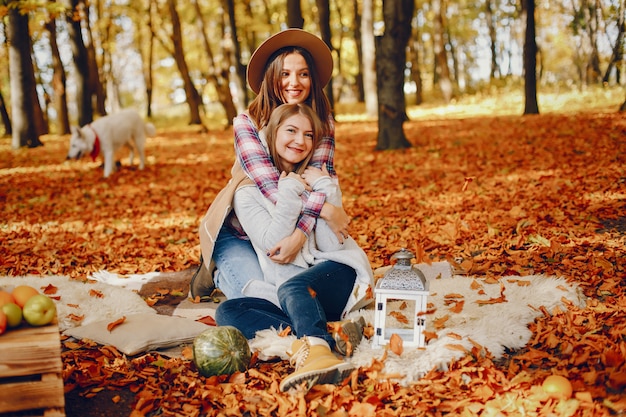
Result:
<point x="31" y="380"/>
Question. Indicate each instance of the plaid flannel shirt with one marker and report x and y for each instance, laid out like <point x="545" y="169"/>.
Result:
<point x="258" y="165"/>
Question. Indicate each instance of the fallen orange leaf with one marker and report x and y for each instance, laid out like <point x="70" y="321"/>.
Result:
<point x="395" y="344"/>
<point x="187" y="352"/>
<point x="439" y="323"/>
<point x="116" y="323"/>
<point x="458" y="307"/>
<point x="75" y="317"/>
<point x="456" y="347"/>
<point x="96" y="293"/>
<point x="50" y="289"/>
<point x="208" y="320"/>
<point x="285" y="332"/>
<point x="453" y="295"/>
<point x="428" y="335"/>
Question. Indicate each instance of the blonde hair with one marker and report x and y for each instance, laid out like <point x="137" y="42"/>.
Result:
<point x="269" y="97"/>
<point x="277" y="118"/>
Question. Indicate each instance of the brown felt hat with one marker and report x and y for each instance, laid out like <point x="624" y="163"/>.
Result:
<point x="290" y="37"/>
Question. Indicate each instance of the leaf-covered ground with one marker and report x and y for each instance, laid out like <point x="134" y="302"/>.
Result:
<point x="500" y="195"/>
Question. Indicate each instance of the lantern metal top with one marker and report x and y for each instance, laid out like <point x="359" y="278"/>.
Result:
<point x="403" y="276"/>
<point x="403" y="257"/>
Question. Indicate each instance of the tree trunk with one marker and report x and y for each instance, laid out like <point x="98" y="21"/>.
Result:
<point x="98" y="94"/>
<point x="236" y="53"/>
<point x="457" y="74"/>
<point x="439" y="46"/>
<point x="593" y="72"/>
<point x="39" y="117"/>
<point x="294" y="14"/>
<point x="79" y="52"/>
<point x="618" y="48"/>
<point x="494" y="71"/>
<point x="4" y="114"/>
<point x="323" y="10"/>
<point x="217" y="74"/>
<point x="193" y="97"/>
<point x="356" y="30"/>
<point x="59" y="97"/>
<point x="147" y="62"/>
<point x="390" y="65"/>
<point x="530" y="59"/>
<point x="416" y="73"/>
<point x="369" y="59"/>
<point x="251" y="37"/>
<point x="23" y="101"/>
<point x="339" y="81"/>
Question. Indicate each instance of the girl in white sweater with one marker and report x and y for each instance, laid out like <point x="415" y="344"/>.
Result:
<point x="326" y="281"/>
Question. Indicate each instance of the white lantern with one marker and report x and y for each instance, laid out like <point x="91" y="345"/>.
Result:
<point x="401" y="296"/>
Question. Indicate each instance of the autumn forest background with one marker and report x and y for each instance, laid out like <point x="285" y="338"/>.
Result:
<point x="498" y="170"/>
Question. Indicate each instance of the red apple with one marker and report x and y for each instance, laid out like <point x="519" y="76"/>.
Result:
<point x="39" y="310"/>
<point x="13" y="313"/>
<point x="3" y="322"/>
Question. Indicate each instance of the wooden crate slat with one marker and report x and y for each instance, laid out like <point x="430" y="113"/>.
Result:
<point x="30" y="350"/>
<point x="31" y="369"/>
<point x="20" y="396"/>
<point x="44" y="412"/>
<point x="54" y="412"/>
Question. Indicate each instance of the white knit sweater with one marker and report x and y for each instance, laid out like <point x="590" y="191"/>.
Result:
<point x="266" y="224"/>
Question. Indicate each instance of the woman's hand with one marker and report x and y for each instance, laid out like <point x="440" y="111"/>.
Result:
<point x="288" y="248"/>
<point x="337" y="219"/>
<point x="312" y="174"/>
<point x="296" y="177"/>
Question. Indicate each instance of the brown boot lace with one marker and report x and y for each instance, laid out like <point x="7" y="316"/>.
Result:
<point x="300" y="356"/>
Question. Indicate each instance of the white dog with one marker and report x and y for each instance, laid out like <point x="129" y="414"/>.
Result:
<point x="108" y="134"/>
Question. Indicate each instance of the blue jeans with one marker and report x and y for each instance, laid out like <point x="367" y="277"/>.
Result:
<point x="330" y="282"/>
<point x="236" y="263"/>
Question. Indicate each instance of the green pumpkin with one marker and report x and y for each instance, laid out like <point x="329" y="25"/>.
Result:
<point x="221" y="350"/>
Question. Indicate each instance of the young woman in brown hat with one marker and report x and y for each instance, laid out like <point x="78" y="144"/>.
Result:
<point x="292" y="66"/>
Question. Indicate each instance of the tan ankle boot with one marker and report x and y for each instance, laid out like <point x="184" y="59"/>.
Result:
<point x="347" y="334"/>
<point x="314" y="363"/>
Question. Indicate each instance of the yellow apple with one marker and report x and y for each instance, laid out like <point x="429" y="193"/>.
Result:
<point x="22" y="293"/>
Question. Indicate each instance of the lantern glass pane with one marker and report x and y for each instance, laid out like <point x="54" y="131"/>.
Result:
<point x="400" y="319"/>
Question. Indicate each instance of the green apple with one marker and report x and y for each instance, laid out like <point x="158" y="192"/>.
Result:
<point x="39" y="310"/>
<point x="13" y="313"/>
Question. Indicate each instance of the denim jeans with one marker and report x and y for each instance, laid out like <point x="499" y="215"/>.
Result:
<point x="304" y="310"/>
<point x="236" y="263"/>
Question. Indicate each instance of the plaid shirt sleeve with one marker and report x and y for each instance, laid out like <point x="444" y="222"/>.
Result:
<point x="253" y="157"/>
<point x="324" y="154"/>
<point x="258" y="165"/>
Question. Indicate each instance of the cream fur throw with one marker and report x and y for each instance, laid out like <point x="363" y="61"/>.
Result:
<point x="493" y="326"/>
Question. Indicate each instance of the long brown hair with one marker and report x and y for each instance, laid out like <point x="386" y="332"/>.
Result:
<point x="269" y="97"/>
<point x="278" y="116"/>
